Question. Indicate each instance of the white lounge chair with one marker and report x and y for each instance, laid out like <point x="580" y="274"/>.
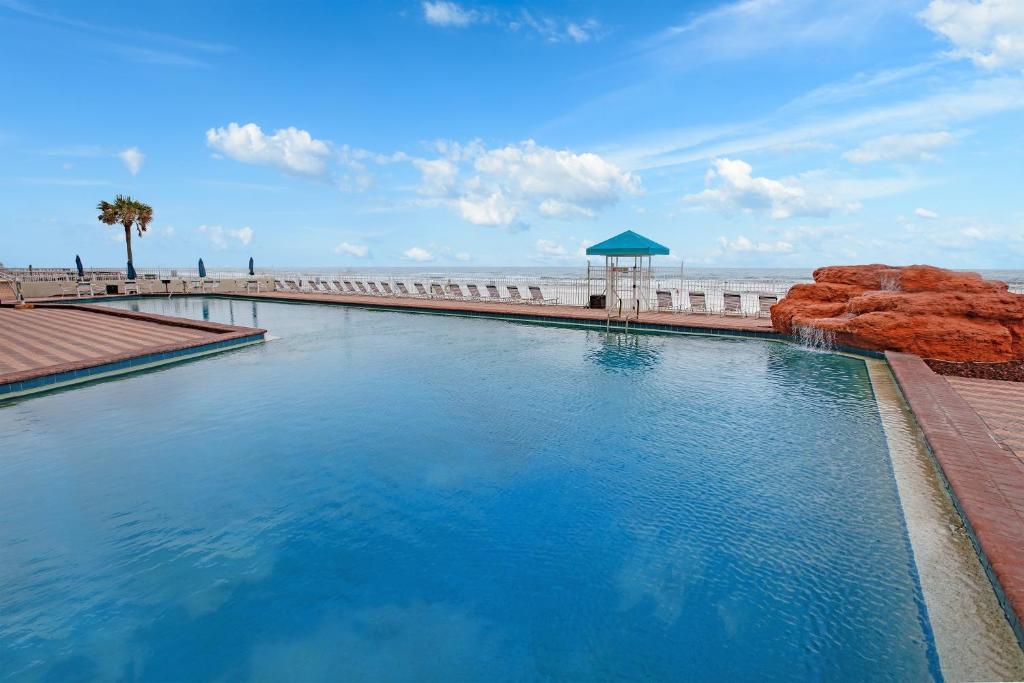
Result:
<point x="455" y="291"/>
<point x="420" y="289"/>
<point x="514" y="295"/>
<point x="492" y="292"/>
<point x="374" y="289"/>
<point x="292" y="286"/>
<point x="402" y="289"/>
<point x="361" y="287"/>
<point x="765" y="303"/>
<point x="537" y="297"/>
<point x="474" y="291"/>
<point x="386" y="286"/>
<point x="665" y="300"/>
<point x="436" y="292"/>
<point x="733" y="304"/>
<point x="698" y="302"/>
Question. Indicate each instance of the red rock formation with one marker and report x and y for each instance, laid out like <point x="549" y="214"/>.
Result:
<point x="932" y="312"/>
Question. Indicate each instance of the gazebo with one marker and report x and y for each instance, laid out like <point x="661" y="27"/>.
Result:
<point x="627" y="271"/>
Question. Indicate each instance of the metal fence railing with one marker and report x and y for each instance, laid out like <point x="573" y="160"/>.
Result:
<point x="566" y="291"/>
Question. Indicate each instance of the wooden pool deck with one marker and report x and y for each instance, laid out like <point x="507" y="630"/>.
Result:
<point x="681" y="321"/>
<point x="50" y="345"/>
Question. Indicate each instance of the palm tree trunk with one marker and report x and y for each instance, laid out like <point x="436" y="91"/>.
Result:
<point x="128" y="242"/>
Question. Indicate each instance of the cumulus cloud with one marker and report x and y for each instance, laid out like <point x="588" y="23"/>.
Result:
<point x="132" y="157"/>
<point x="912" y="147"/>
<point x="418" y="254"/>
<point x="442" y="13"/>
<point x="530" y="178"/>
<point x="289" y="149"/>
<point x="439" y="175"/>
<point x="731" y="186"/>
<point x="925" y="213"/>
<point x="487" y="209"/>
<point x="357" y="250"/>
<point x="990" y="33"/>
<point x="221" y="238"/>
<point x="742" y="244"/>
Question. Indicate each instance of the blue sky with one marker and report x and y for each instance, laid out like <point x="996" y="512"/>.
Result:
<point x="787" y="133"/>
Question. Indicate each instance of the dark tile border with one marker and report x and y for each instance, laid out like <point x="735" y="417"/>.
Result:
<point x="985" y="482"/>
<point x="227" y="335"/>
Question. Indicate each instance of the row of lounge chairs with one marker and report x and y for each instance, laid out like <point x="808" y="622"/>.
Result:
<point x="732" y="303"/>
<point x="451" y="291"/>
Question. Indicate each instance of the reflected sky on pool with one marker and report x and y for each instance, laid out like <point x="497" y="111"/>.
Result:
<point x="389" y="496"/>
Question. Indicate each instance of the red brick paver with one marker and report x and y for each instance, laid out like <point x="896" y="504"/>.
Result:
<point x="680" y="320"/>
<point x="50" y="339"/>
<point x="1000" y="404"/>
<point x="985" y="479"/>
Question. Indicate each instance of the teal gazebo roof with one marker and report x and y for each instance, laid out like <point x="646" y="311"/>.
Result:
<point x="628" y="243"/>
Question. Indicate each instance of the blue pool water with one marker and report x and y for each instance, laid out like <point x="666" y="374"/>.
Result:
<point x="389" y="496"/>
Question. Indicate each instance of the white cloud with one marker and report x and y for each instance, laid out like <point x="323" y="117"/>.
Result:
<point x="925" y="213"/>
<point x="439" y="175"/>
<point x="357" y="250"/>
<point x="220" y="237"/>
<point x="908" y="147"/>
<point x="556" y="30"/>
<point x="935" y="110"/>
<point x="132" y="158"/>
<point x="244" y="235"/>
<point x="289" y="149"/>
<point x="531" y="169"/>
<point x="988" y="32"/>
<point x="489" y="209"/>
<point x="554" y="208"/>
<point x="731" y="186"/>
<point x="418" y="254"/>
<point x="742" y="244"/>
<point x="463" y="256"/>
<point x="443" y="13"/>
<point x="549" y="248"/>
<point x="518" y="179"/>
<point x="738" y="29"/>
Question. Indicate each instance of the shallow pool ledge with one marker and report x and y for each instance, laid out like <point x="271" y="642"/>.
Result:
<point x="56" y="345"/>
<point x="985" y="482"/>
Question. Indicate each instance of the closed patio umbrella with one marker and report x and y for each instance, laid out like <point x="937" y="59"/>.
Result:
<point x="131" y="271"/>
<point x="202" y="269"/>
<point x="251" y="271"/>
<point x="78" y="265"/>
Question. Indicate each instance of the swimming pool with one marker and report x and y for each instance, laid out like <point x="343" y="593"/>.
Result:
<point x="378" y="495"/>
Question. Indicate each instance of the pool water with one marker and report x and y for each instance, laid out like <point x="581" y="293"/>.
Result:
<point x="390" y="496"/>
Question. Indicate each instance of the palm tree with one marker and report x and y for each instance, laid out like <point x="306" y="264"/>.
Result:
<point x="127" y="212"/>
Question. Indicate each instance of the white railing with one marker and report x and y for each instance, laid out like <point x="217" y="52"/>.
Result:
<point x="565" y="291"/>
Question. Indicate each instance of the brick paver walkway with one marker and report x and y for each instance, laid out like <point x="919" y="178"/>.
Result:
<point x="1000" y="404"/>
<point x="47" y="340"/>
<point x="985" y="479"/>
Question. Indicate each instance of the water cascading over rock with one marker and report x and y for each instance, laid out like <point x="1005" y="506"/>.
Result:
<point x="932" y="312"/>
